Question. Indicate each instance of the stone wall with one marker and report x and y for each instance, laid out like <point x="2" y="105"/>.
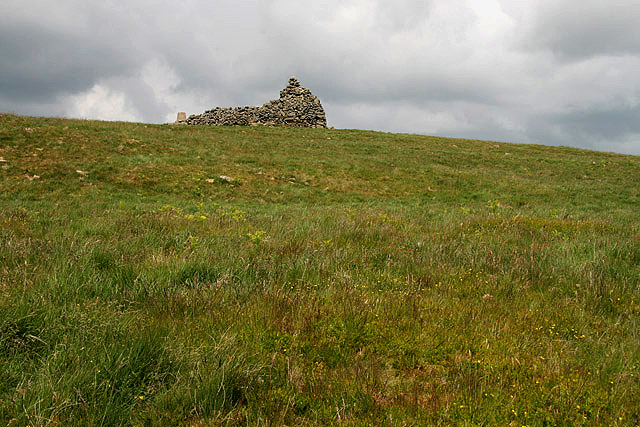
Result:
<point x="297" y="106"/>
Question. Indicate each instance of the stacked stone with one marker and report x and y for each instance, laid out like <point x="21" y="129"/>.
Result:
<point x="297" y="107"/>
<point x="237" y="116"/>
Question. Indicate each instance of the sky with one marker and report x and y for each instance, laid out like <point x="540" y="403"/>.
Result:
<point x="552" y="72"/>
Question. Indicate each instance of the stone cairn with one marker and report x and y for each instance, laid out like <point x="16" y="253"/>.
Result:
<point x="296" y="107"/>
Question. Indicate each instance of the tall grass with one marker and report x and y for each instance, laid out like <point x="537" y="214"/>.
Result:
<point x="341" y="277"/>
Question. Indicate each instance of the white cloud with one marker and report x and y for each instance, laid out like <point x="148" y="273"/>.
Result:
<point x="101" y="103"/>
<point x="165" y="85"/>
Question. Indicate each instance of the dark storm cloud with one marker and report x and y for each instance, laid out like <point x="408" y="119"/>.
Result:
<point x="615" y="123"/>
<point x="39" y="63"/>
<point x="42" y="57"/>
<point x="539" y="71"/>
<point x="616" y="129"/>
<point x="590" y="27"/>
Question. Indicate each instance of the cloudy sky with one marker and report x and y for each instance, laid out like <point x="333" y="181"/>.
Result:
<point x="555" y="72"/>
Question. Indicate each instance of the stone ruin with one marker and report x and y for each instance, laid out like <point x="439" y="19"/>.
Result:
<point x="297" y="107"/>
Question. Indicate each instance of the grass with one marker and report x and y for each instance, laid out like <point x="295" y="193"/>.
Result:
<point x="341" y="277"/>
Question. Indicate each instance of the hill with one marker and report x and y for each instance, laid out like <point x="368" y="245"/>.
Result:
<point x="202" y="275"/>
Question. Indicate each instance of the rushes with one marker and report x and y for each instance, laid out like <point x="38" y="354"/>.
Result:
<point x="383" y="312"/>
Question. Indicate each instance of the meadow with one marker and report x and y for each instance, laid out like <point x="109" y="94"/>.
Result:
<point x="335" y="277"/>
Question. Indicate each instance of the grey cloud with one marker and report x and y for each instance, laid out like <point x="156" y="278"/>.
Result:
<point x="587" y="28"/>
<point x="615" y="123"/>
<point x="615" y="129"/>
<point x="142" y="97"/>
<point x="39" y="63"/>
<point x="407" y="66"/>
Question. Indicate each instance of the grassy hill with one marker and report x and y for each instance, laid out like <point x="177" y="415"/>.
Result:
<point x="337" y="276"/>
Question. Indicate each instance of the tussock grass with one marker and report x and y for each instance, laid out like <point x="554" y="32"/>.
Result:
<point x="341" y="277"/>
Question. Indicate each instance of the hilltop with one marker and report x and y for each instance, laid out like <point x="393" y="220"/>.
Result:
<point x="262" y="275"/>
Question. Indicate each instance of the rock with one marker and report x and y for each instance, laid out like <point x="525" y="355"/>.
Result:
<point x="296" y="107"/>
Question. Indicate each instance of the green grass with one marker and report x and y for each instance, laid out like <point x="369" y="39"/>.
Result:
<point x="343" y="276"/>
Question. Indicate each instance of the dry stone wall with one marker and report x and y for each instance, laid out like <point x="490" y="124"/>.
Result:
<point x="297" y="107"/>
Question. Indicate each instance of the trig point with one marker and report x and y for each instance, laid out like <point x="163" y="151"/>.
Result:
<point x="182" y="117"/>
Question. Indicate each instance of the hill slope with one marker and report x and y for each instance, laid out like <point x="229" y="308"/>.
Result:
<point x="336" y="276"/>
